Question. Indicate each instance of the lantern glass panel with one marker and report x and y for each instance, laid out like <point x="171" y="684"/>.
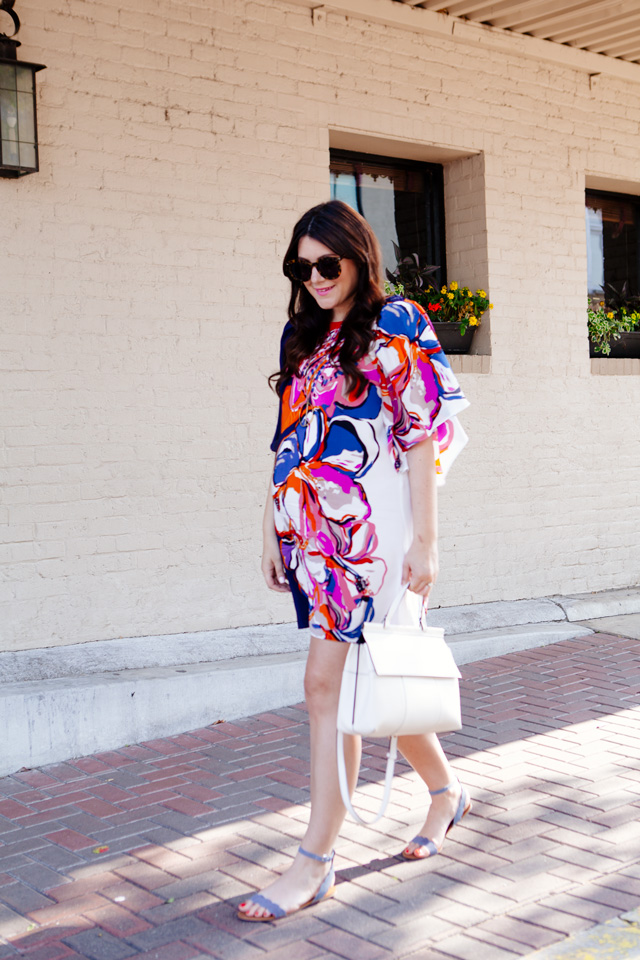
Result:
<point x="10" y="153"/>
<point x="24" y="79"/>
<point x="7" y="76"/>
<point x="9" y="126"/>
<point x="9" y="115"/>
<point x="28" y="155"/>
<point x="25" y="117"/>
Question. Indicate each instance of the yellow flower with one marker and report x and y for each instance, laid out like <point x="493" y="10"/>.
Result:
<point x="454" y="285"/>
<point x="450" y="296"/>
<point x="490" y="306"/>
<point x="601" y="303"/>
<point x="609" y="316"/>
<point x="443" y="289"/>
<point x="480" y="293"/>
<point x="473" y="322"/>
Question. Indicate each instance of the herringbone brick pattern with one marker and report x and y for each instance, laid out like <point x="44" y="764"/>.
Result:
<point x="145" y="851"/>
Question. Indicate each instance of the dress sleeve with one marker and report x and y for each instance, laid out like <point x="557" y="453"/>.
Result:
<point x="281" y="424"/>
<point x="421" y="393"/>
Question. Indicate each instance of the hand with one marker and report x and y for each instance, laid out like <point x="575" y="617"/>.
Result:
<point x="272" y="568"/>
<point x="420" y="568"/>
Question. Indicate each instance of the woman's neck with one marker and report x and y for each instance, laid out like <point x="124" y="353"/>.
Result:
<point x="340" y="312"/>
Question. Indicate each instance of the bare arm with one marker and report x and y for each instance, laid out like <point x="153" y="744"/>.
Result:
<point x="272" y="568"/>
<point x="421" y="565"/>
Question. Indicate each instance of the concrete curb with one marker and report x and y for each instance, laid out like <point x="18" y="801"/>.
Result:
<point x="510" y="613"/>
<point x="138" y="653"/>
<point x="470" y="647"/>
<point x="62" y="702"/>
<point x="483" y="620"/>
<point x="52" y="720"/>
<point x="610" y="603"/>
<point x="617" y="939"/>
<point x="495" y="614"/>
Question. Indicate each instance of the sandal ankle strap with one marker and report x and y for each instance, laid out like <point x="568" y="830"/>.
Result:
<point x="323" y="858"/>
<point x="435" y="793"/>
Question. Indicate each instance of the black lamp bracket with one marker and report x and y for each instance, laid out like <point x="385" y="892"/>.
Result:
<point x="6" y="6"/>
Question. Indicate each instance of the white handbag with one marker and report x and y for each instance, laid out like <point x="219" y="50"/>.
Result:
<point x="398" y="680"/>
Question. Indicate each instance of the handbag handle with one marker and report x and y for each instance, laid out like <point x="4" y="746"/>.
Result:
<point x="388" y="779"/>
<point x="396" y="603"/>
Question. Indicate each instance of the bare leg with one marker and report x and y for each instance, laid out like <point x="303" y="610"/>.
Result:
<point x="427" y="758"/>
<point x="322" y="690"/>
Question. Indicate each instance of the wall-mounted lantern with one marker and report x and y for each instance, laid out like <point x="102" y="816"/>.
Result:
<point x="18" y="130"/>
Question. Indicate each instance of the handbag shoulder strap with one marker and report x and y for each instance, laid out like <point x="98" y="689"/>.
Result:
<point x="388" y="779"/>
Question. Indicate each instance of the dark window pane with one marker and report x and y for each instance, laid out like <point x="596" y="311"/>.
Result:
<point x="613" y="241"/>
<point x="403" y="202"/>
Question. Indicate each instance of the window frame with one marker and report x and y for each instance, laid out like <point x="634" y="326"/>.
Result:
<point x="634" y="200"/>
<point x="435" y="222"/>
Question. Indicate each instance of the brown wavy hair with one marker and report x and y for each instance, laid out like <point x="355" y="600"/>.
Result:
<point x="347" y="234"/>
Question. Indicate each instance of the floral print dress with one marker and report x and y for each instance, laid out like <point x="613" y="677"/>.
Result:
<point x="342" y="505"/>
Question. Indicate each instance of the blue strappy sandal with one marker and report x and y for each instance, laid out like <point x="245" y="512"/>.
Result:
<point x="326" y="890"/>
<point x="464" y="807"/>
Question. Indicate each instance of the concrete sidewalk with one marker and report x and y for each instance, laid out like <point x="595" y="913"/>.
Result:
<point x="145" y="851"/>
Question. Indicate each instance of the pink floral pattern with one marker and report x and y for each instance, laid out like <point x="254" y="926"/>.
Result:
<point x="339" y="454"/>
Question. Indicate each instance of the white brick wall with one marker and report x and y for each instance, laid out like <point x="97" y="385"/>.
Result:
<point x="143" y="301"/>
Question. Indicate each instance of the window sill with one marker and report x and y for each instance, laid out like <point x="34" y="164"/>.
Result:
<point x="469" y="363"/>
<point x="616" y="366"/>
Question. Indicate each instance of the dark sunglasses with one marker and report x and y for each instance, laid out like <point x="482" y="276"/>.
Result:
<point x="301" y="270"/>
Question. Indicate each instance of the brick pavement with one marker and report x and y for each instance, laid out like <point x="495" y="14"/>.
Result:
<point x="145" y="851"/>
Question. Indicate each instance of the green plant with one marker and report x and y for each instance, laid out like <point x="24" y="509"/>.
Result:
<point x="455" y="303"/>
<point x="410" y="278"/>
<point x="618" y="298"/>
<point x="451" y="304"/>
<point x="607" y="322"/>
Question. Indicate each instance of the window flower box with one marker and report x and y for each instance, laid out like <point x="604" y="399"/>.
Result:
<point x="450" y="338"/>
<point x="614" y="328"/>
<point x="454" y="311"/>
<point x="627" y="345"/>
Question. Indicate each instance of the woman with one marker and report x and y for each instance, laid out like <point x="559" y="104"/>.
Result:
<point x="367" y="430"/>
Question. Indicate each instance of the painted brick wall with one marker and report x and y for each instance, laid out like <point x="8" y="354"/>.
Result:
<point x="143" y="301"/>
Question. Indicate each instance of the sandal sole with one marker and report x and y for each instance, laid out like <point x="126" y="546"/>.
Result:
<point x="412" y="856"/>
<point x="310" y="903"/>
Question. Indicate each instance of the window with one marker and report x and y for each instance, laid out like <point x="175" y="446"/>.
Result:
<point x="402" y="200"/>
<point x="613" y="242"/>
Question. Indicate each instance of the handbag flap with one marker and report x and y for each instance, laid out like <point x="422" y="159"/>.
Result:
<point x="400" y="651"/>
